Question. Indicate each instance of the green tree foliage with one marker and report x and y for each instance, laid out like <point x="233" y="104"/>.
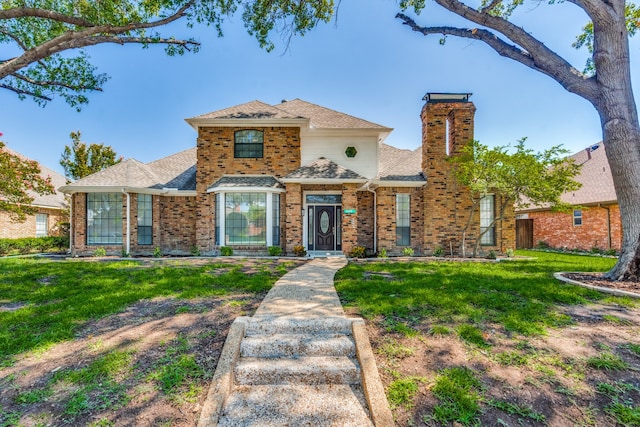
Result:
<point x="20" y="180"/>
<point x="81" y="160"/>
<point x="44" y="39"/>
<point x="517" y="176"/>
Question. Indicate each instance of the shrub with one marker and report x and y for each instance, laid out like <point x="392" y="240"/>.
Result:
<point x="358" y="252"/>
<point x="226" y="251"/>
<point x="100" y="252"/>
<point x="407" y="252"/>
<point x="195" y="251"/>
<point x="510" y="253"/>
<point x="611" y="252"/>
<point x="124" y="253"/>
<point x="299" y="250"/>
<point x="157" y="252"/>
<point x="492" y="255"/>
<point x="274" y="250"/>
<point x="382" y="253"/>
<point x="543" y="245"/>
<point x="438" y="252"/>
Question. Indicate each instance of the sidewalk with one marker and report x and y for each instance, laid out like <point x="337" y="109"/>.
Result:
<point x="298" y="361"/>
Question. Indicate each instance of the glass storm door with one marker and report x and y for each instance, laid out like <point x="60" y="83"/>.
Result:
<point x="325" y="229"/>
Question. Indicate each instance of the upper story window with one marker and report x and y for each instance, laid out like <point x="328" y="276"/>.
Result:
<point x="248" y="144"/>
<point x="577" y="217"/>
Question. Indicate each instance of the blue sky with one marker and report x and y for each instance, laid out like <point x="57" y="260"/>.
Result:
<point x="366" y="64"/>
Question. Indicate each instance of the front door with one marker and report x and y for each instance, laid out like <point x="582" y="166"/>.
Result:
<point x="325" y="229"/>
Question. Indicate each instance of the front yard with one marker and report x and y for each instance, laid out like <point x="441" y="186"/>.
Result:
<point x="499" y="344"/>
<point x="136" y="342"/>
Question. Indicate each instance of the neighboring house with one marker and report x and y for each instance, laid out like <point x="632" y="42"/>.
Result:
<point x="289" y="174"/>
<point x="595" y="220"/>
<point x="51" y="211"/>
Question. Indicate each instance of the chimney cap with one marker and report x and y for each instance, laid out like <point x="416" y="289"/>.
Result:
<point x="446" y="97"/>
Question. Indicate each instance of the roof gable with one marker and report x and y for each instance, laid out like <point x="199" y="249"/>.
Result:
<point x="250" y="110"/>
<point x="325" y="118"/>
<point x="323" y="169"/>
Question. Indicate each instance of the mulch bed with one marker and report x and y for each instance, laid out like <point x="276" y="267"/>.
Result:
<point x="598" y="279"/>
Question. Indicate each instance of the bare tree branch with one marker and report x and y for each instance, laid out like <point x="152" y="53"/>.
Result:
<point x="532" y="53"/>
<point x="490" y="6"/>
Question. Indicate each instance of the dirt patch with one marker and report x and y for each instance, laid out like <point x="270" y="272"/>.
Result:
<point x="545" y="381"/>
<point x="598" y="279"/>
<point x="160" y="340"/>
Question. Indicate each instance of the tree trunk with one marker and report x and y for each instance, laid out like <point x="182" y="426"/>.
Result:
<point x="620" y="129"/>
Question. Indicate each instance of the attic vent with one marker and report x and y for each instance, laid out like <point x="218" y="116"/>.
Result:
<point x="595" y="147"/>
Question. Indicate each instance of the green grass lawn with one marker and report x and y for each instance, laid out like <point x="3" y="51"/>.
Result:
<point x="55" y="297"/>
<point x="520" y="295"/>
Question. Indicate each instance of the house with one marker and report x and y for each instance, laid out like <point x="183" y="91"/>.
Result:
<point x="594" y="222"/>
<point x="51" y="212"/>
<point x="290" y="174"/>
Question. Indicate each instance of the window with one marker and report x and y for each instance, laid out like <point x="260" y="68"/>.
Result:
<point x="42" y="225"/>
<point x="275" y="215"/>
<point x="245" y="218"/>
<point x="249" y="144"/>
<point x="216" y="218"/>
<point x="577" y="217"/>
<point x="403" y="234"/>
<point x="487" y="215"/>
<point x="104" y="219"/>
<point x="145" y="219"/>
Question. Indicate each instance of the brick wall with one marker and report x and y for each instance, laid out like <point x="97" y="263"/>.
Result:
<point x="13" y="230"/>
<point x="365" y="220"/>
<point x="386" y="202"/>
<point x="350" y="221"/>
<point x="556" y="229"/>
<point x="281" y="155"/>
<point x="293" y="217"/>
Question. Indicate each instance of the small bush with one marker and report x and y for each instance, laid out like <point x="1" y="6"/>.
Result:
<point x="510" y="253"/>
<point x="226" y="251"/>
<point x="124" y="253"/>
<point x="407" y="252"/>
<point x="358" y="252"/>
<point x="382" y="253"/>
<point x="492" y="255"/>
<point x="438" y="252"/>
<point x="100" y="252"/>
<point x="611" y="252"/>
<point x="157" y="252"/>
<point x="299" y="250"/>
<point x="195" y="251"/>
<point x="274" y="250"/>
<point x="26" y="245"/>
<point x="542" y="245"/>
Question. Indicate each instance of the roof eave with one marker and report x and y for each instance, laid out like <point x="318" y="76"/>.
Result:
<point x="220" y="189"/>
<point x="384" y="183"/>
<point x="196" y="122"/>
<point x="323" y="180"/>
<point x="70" y="189"/>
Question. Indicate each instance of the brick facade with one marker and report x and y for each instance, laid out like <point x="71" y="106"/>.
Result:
<point x="10" y="229"/>
<point x="281" y="155"/>
<point x="601" y="228"/>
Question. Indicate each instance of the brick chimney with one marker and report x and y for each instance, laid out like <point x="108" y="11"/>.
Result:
<point x="447" y="126"/>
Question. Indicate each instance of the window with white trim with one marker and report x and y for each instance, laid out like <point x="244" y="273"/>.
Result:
<point x="104" y="219"/>
<point x="245" y="218"/>
<point x="403" y="219"/>
<point x="145" y="219"/>
<point x="42" y="225"/>
<point x="577" y="217"/>
<point x="487" y="215"/>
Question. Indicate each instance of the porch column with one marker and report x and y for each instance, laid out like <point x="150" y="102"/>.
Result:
<point x="349" y="220"/>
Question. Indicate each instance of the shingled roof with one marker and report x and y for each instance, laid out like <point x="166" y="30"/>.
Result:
<point x="595" y="177"/>
<point x="55" y="200"/>
<point x="175" y="172"/>
<point x="244" y="181"/>
<point x="396" y="164"/>
<point x="323" y="169"/>
<point x="250" y="110"/>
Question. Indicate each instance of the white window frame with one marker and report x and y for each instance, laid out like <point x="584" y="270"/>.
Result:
<point x="39" y="232"/>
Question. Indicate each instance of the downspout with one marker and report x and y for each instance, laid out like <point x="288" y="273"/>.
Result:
<point x="375" y="217"/>
<point x="128" y="240"/>
<point x="608" y="224"/>
<point x="71" y="231"/>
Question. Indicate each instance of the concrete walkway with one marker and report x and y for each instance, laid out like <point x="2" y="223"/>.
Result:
<point x="298" y="361"/>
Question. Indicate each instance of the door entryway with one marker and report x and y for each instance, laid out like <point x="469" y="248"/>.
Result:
<point x="324" y="222"/>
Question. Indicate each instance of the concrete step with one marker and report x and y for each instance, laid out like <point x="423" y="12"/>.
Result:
<point x="296" y="405"/>
<point x="292" y="325"/>
<point x="303" y="371"/>
<point x="297" y="345"/>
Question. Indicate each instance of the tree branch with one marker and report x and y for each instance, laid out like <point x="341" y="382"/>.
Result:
<point x="28" y="12"/>
<point x="53" y="83"/>
<point x="82" y="38"/>
<point x="534" y="54"/>
<point x="14" y="38"/>
<point x="24" y="92"/>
